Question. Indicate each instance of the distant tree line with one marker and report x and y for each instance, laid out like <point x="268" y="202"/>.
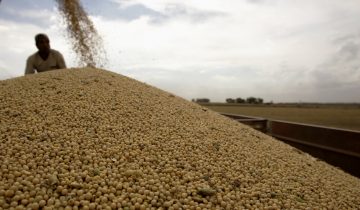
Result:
<point x="201" y="100"/>
<point x="249" y="100"/>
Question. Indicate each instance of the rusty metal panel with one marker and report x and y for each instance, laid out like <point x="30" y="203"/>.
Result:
<point x="236" y="116"/>
<point x="340" y="139"/>
<point x="337" y="147"/>
<point x="258" y="124"/>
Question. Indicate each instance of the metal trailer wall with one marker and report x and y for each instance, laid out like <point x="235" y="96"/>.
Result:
<point x="338" y="147"/>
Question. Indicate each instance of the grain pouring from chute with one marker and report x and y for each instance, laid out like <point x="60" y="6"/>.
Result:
<point x="85" y="40"/>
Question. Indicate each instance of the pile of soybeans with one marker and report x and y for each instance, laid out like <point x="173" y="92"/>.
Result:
<point x="92" y="139"/>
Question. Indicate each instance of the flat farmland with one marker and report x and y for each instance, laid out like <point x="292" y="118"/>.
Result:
<point x="338" y="116"/>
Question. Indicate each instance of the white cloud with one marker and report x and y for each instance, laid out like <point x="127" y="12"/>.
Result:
<point x="278" y="49"/>
<point x="18" y="43"/>
<point x="282" y="42"/>
<point x="14" y="42"/>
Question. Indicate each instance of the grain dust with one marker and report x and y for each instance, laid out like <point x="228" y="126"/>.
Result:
<point x="85" y="40"/>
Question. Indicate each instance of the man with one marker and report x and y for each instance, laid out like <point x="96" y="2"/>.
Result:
<point x="45" y="59"/>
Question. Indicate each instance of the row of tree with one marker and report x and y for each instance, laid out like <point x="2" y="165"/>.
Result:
<point x="249" y="100"/>
<point x="201" y="100"/>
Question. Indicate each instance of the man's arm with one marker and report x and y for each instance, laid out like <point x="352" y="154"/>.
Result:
<point x="29" y="67"/>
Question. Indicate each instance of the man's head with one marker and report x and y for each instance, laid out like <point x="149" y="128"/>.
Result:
<point x="42" y="43"/>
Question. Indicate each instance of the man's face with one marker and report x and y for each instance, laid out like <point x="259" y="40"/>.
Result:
<point x="43" y="45"/>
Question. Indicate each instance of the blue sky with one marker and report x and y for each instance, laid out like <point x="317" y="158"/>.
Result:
<point x="279" y="50"/>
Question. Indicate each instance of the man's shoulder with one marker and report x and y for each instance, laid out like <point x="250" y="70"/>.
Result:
<point x="55" y="52"/>
<point x="32" y="56"/>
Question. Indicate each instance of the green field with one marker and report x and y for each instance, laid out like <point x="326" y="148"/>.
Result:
<point x="339" y="116"/>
